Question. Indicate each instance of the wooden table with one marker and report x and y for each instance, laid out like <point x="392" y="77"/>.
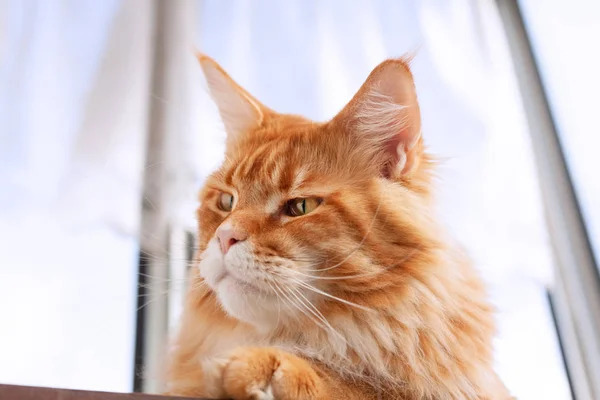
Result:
<point x="10" y="392"/>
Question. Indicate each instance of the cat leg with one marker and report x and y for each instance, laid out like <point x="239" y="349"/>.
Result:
<point x="255" y="373"/>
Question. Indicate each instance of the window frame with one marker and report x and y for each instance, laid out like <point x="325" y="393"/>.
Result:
<point x="575" y="294"/>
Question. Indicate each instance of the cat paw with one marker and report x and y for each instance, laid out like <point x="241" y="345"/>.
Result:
<point x="263" y="374"/>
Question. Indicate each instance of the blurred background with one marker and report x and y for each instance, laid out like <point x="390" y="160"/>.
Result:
<point x="107" y="132"/>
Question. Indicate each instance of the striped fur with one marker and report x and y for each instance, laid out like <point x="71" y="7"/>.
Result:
<point x="366" y="297"/>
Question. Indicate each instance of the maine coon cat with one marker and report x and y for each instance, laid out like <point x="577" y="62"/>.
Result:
<point x="322" y="271"/>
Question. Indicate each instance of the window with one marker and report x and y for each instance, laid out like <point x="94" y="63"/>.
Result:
<point x="556" y="127"/>
<point x="568" y="62"/>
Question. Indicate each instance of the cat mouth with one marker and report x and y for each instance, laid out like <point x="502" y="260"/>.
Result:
<point x="231" y="280"/>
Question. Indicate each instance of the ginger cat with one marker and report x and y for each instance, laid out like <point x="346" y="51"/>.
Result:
<point x="322" y="272"/>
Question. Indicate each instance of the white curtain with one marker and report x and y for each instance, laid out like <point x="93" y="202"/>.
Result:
<point x="74" y="102"/>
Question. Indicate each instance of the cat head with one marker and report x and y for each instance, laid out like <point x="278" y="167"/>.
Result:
<point x="304" y="218"/>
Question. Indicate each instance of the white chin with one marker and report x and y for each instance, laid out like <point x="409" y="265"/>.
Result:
<point x="243" y="302"/>
<point x="247" y="303"/>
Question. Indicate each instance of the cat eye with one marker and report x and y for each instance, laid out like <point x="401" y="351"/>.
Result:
<point x="298" y="207"/>
<point x="226" y="202"/>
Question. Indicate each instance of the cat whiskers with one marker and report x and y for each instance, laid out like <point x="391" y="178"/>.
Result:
<point x="154" y="293"/>
<point x="298" y="282"/>
<point x="321" y="292"/>
<point x="294" y="305"/>
<point x="312" y="313"/>
<point x="355" y="276"/>
<point x="278" y="301"/>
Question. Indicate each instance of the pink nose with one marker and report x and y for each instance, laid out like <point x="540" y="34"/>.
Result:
<point x="228" y="237"/>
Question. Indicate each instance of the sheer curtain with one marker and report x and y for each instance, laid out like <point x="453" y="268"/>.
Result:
<point x="74" y="102"/>
<point x="98" y="153"/>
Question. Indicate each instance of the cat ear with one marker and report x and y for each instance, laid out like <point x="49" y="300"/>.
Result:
<point x="239" y="111"/>
<point x="384" y="118"/>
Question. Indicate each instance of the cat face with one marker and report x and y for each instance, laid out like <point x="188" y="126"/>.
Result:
<point x="302" y="217"/>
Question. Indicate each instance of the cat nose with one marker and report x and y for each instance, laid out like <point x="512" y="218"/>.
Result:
<point x="227" y="237"/>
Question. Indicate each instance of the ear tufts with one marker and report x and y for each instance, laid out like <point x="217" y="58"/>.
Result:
<point x="384" y="117"/>
<point x="240" y="112"/>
